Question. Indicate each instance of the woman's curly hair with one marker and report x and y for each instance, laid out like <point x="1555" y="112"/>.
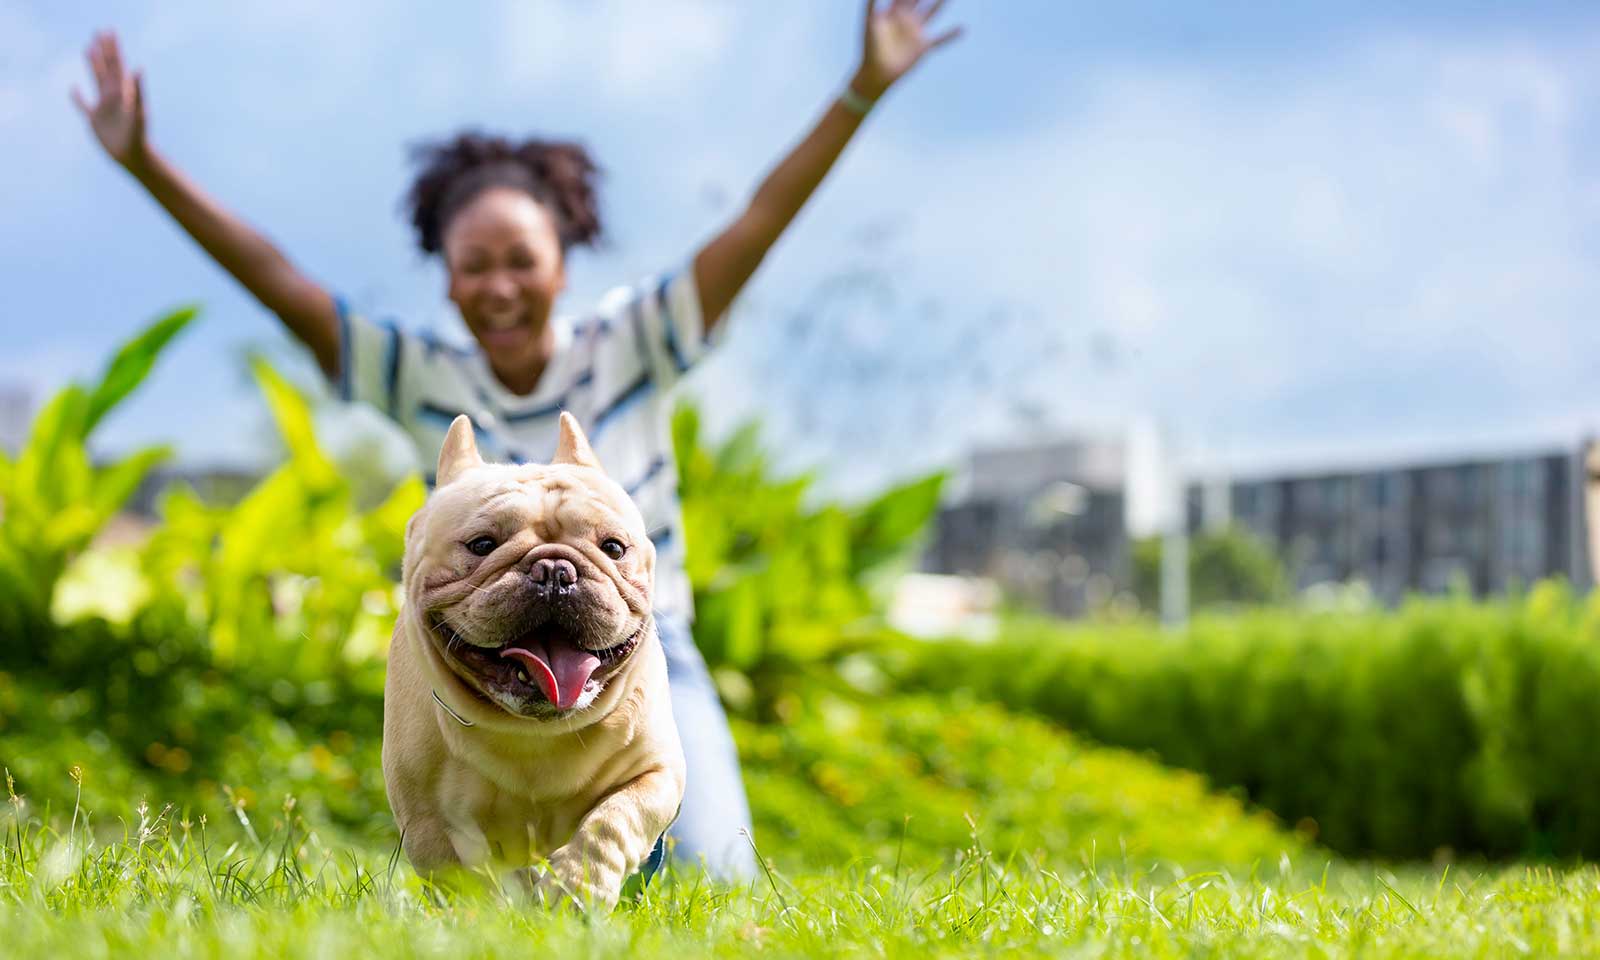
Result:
<point x="560" y="175"/>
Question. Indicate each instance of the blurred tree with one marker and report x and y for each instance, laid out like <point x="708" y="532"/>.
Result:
<point x="1227" y="568"/>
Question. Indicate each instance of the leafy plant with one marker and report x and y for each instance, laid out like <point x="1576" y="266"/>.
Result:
<point x="54" y="498"/>
<point x="293" y="580"/>
<point x="780" y="584"/>
<point x="236" y="641"/>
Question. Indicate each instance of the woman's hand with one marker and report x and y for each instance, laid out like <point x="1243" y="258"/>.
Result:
<point x="117" y="118"/>
<point x="895" y="39"/>
<point x="117" y="115"/>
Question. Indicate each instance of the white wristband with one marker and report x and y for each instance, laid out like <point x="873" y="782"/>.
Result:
<point x="855" y="102"/>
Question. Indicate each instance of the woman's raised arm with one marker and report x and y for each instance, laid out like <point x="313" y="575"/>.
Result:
<point x="117" y="116"/>
<point x="894" y="38"/>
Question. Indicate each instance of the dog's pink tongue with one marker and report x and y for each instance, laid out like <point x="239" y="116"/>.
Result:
<point x="538" y="668"/>
<point x="572" y="666"/>
<point x="560" y="670"/>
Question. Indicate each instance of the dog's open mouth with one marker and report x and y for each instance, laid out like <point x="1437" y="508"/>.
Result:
<point x="548" y="662"/>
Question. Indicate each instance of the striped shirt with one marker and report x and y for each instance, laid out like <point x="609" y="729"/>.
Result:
<point x="613" y="369"/>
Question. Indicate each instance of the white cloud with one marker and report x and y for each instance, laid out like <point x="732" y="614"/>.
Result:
<point x="1400" y="243"/>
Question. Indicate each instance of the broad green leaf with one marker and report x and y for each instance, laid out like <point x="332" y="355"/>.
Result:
<point x="132" y="364"/>
<point x="385" y="525"/>
<point x="114" y="484"/>
<point x="253" y="529"/>
<point x="685" y="431"/>
<point x="741" y="452"/>
<point x="887" y="525"/>
<point x="292" y="414"/>
<point x="57" y="427"/>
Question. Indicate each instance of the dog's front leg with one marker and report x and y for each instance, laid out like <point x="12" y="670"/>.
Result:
<point x="431" y="846"/>
<point x="613" y="839"/>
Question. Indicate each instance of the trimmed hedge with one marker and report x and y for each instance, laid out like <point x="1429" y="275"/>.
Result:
<point x="918" y="778"/>
<point x="1445" y="725"/>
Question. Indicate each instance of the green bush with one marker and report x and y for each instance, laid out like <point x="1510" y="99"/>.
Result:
<point x="294" y="581"/>
<point x="54" y="498"/>
<point x="781" y="585"/>
<point x="236" y="645"/>
<point x="1447" y="724"/>
<point x="846" y="778"/>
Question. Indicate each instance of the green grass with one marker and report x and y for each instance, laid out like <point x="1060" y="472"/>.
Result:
<point x="901" y="826"/>
<point x="190" y="890"/>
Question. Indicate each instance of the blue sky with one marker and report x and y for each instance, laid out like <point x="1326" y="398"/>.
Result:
<point x="1288" y="234"/>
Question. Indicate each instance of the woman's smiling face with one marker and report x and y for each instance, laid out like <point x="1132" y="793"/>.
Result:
<point x="506" y="270"/>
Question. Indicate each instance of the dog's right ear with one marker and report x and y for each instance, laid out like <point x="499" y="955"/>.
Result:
<point x="459" y="453"/>
<point x="573" y="447"/>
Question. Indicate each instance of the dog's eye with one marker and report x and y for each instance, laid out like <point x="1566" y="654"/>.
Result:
<point x="613" y="547"/>
<point x="482" y="546"/>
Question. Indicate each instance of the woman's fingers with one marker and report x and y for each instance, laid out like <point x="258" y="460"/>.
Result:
<point x="944" y="38"/>
<point x="82" y="104"/>
<point x="97" y="66"/>
<point x="114" y="57"/>
<point x="931" y="11"/>
<point x="116" y="80"/>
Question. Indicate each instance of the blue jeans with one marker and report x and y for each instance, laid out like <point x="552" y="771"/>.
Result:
<point x="715" y="810"/>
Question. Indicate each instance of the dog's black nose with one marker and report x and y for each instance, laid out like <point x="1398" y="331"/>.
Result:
<point x="553" y="573"/>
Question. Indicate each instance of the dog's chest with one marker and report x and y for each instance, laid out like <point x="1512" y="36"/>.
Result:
<point x="487" y="823"/>
<point x="512" y="808"/>
<point x="498" y="826"/>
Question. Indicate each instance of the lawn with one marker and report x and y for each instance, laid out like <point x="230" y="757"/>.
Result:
<point x="158" y="894"/>
<point x="904" y="826"/>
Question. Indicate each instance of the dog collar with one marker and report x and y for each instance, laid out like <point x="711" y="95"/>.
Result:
<point x="456" y="716"/>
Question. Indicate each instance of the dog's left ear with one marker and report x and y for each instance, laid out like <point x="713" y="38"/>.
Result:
<point x="459" y="453"/>
<point x="573" y="447"/>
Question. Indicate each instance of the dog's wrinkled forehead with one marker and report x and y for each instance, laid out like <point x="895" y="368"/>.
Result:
<point x="554" y="502"/>
<point x="571" y="498"/>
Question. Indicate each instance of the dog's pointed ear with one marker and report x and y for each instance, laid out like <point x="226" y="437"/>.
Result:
<point x="573" y="447"/>
<point x="459" y="453"/>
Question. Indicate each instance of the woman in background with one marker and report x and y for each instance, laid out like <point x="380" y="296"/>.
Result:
<point x="502" y="216"/>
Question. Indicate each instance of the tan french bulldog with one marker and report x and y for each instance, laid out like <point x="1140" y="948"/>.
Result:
<point x="526" y="714"/>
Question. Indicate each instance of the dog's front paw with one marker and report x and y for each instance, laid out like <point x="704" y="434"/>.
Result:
<point x="575" y="881"/>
